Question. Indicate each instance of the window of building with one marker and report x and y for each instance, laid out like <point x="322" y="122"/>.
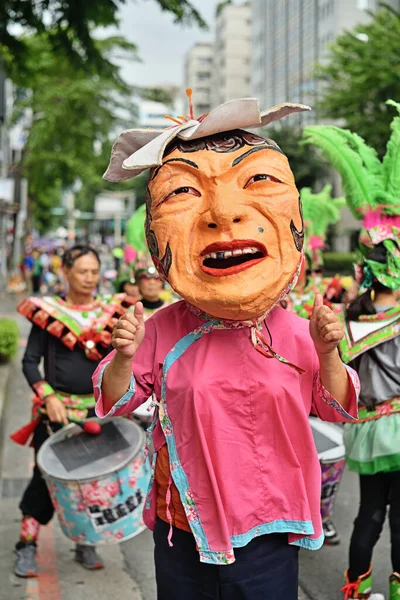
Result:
<point x="203" y="60"/>
<point x="363" y="4"/>
<point x="203" y="76"/>
<point x="203" y="108"/>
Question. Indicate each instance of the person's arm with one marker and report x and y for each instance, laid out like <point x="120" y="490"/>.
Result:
<point x="115" y="385"/>
<point x="116" y="380"/>
<point x="35" y="350"/>
<point x="336" y="386"/>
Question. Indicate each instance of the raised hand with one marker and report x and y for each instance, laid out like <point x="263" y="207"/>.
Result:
<point x="128" y="333"/>
<point x="325" y="328"/>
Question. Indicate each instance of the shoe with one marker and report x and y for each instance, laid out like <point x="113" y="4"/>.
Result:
<point x="394" y="586"/>
<point x="88" y="557"/>
<point x="361" y="589"/>
<point x="332" y="538"/>
<point x="25" y="562"/>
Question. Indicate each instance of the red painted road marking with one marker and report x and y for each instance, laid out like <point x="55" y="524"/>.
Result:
<point x="32" y="590"/>
<point x="49" y="585"/>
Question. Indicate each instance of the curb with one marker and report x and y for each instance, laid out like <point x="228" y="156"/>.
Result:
<point x="5" y="377"/>
<point x="5" y="373"/>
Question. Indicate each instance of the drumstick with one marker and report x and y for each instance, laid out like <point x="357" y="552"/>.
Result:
<point x="91" y="427"/>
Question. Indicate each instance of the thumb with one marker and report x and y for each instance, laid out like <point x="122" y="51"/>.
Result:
<point x="139" y="312"/>
<point x="318" y="302"/>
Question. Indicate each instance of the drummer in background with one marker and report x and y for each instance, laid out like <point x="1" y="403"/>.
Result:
<point x="72" y="336"/>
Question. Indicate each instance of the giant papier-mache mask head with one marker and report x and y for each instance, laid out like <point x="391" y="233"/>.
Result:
<point x="224" y="223"/>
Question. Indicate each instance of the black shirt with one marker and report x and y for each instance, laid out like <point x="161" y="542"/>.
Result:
<point x="149" y="305"/>
<point x="72" y="369"/>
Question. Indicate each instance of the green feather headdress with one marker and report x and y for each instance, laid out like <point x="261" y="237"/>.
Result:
<point x="319" y="211"/>
<point x="371" y="186"/>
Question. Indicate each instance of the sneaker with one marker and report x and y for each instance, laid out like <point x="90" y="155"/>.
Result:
<point x="332" y="538"/>
<point x="394" y="584"/>
<point x="25" y="562"/>
<point x="362" y="588"/>
<point x="88" y="557"/>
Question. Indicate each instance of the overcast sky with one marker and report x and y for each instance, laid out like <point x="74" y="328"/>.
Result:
<point x="161" y="43"/>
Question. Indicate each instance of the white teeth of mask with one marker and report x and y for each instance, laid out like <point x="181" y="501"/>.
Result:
<point x="230" y="253"/>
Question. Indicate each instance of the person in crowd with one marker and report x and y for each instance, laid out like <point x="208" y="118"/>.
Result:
<point x="64" y="390"/>
<point x="130" y="288"/>
<point x="371" y="344"/>
<point x="373" y="443"/>
<point x="37" y="271"/>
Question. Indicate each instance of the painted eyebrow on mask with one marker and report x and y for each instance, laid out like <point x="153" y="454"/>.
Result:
<point x="239" y="159"/>
<point x="182" y="160"/>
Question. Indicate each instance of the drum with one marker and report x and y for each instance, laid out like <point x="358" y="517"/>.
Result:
<point x="328" y="440"/>
<point x="98" y="483"/>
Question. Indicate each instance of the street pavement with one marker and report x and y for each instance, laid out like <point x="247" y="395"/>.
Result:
<point x="129" y="572"/>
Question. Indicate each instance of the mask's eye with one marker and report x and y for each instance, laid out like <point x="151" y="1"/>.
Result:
<point x="261" y="177"/>
<point x="183" y="190"/>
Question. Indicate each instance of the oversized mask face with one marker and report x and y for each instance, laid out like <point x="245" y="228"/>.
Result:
<point x="224" y="223"/>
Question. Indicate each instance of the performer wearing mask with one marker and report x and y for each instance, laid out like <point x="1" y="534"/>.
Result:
<point x="72" y="334"/>
<point x="236" y="475"/>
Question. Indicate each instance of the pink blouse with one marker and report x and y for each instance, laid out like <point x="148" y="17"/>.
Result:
<point x="242" y="453"/>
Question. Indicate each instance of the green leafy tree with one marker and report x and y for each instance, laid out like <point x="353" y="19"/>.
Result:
<point x="68" y="26"/>
<point x="362" y="72"/>
<point x="307" y="164"/>
<point x="72" y="118"/>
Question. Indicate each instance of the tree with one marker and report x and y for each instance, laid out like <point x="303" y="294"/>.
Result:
<point x="306" y="163"/>
<point x="362" y="73"/>
<point x="68" y="26"/>
<point x="72" y="116"/>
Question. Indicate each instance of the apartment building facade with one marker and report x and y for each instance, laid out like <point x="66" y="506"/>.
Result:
<point x="198" y="75"/>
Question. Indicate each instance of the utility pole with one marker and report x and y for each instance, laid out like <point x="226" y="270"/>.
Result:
<point x="70" y="214"/>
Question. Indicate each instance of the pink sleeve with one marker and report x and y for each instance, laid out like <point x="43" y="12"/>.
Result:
<point x="142" y="380"/>
<point x="327" y="408"/>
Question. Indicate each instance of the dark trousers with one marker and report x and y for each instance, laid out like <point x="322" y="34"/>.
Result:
<point x="265" y="569"/>
<point x="376" y="492"/>
<point x="36" y="501"/>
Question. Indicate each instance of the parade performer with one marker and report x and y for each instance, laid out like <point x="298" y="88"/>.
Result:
<point x="237" y="480"/>
<point x="319" y="211"/>
<point x="372" y="345"/>
<point x="72" y="334"/>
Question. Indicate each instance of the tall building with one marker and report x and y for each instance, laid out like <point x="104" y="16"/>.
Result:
<point x="232" y="57"/>
<point x="198" y="76"/>
<point x="290" y="36"/>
